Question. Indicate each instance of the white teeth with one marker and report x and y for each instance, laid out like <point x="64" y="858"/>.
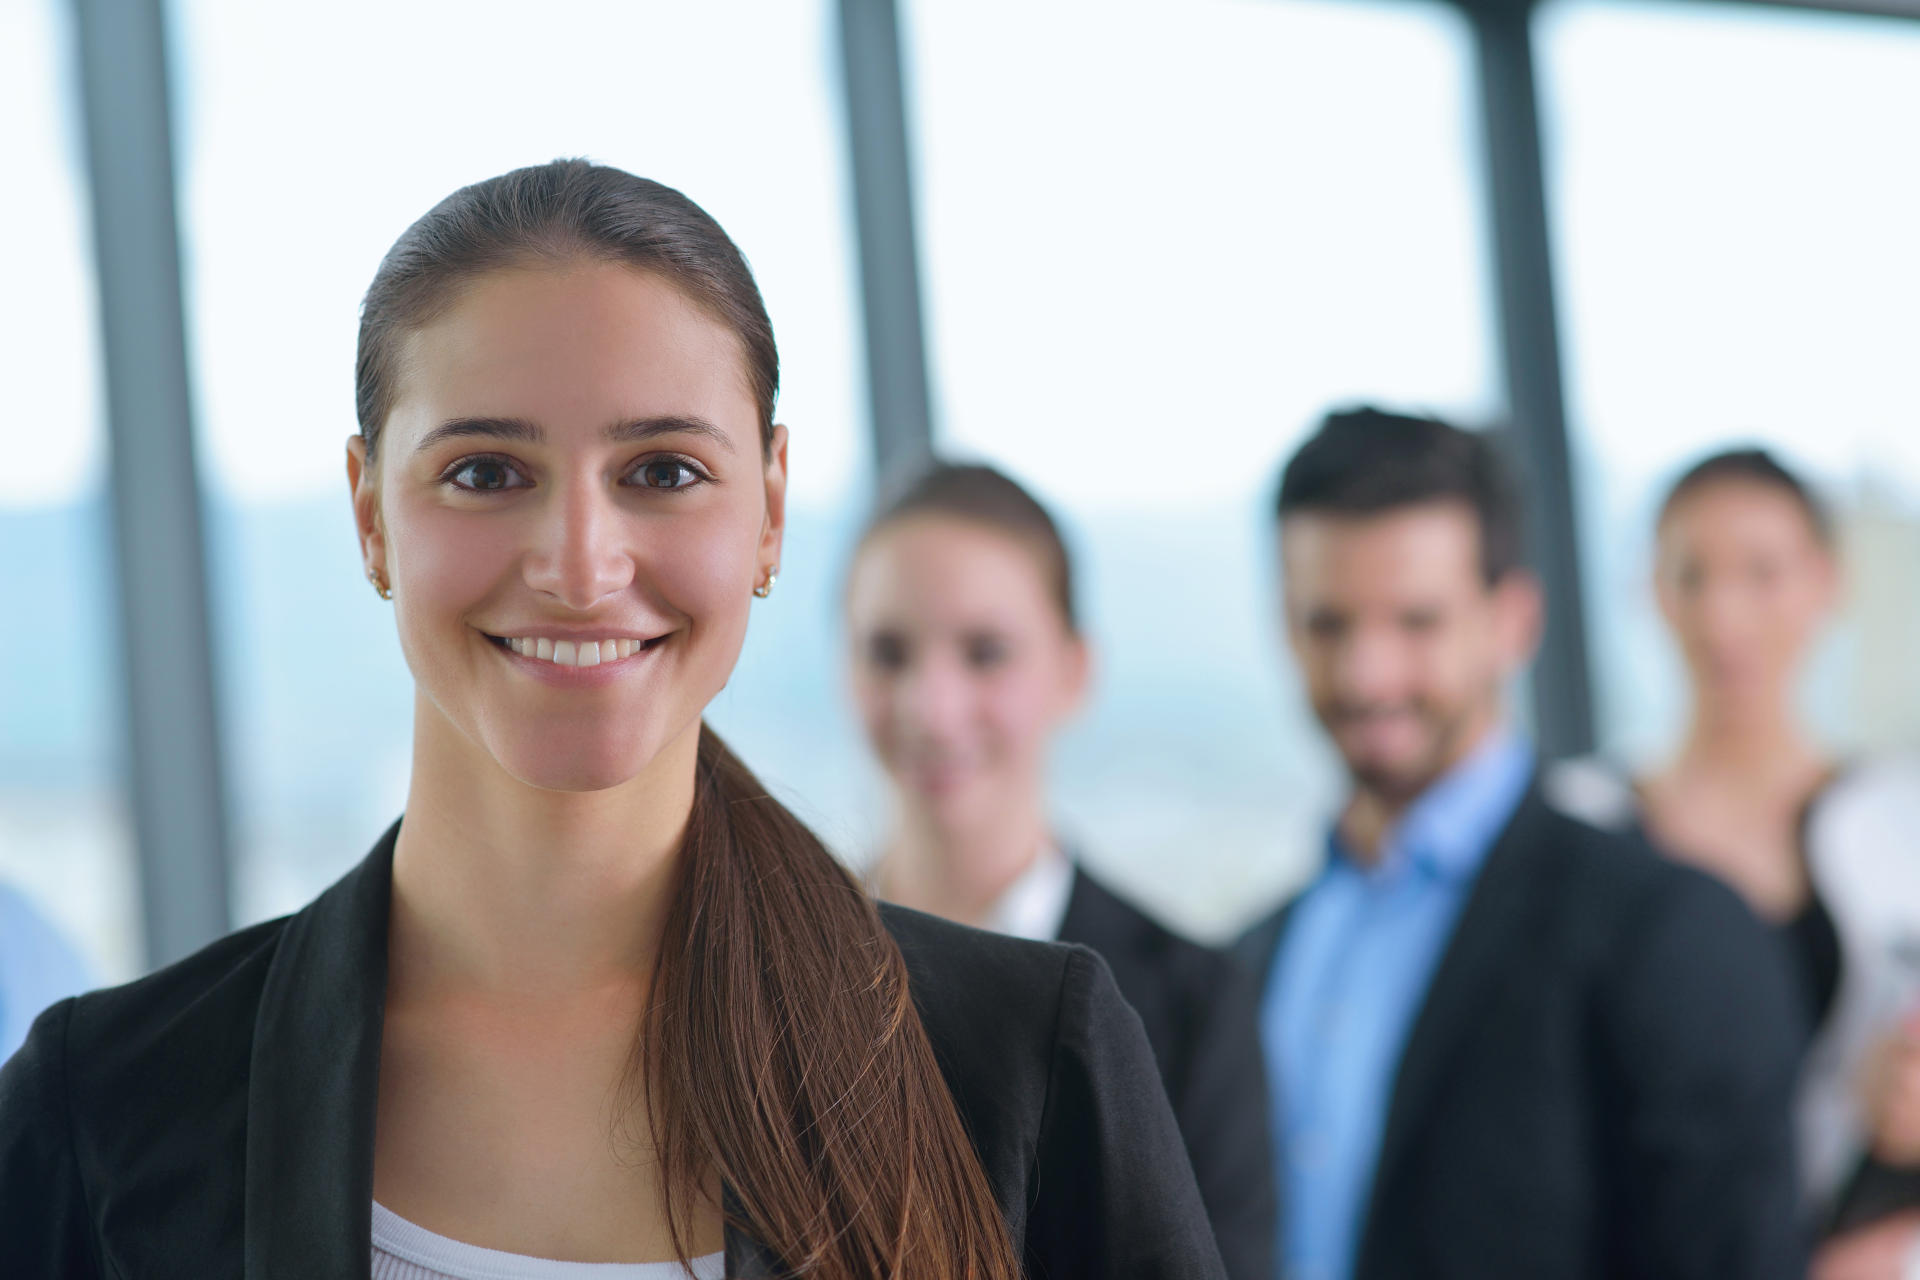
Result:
<point x="571" y="653"/>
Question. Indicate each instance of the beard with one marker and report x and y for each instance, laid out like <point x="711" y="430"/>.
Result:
<point x="1437" y="735"/>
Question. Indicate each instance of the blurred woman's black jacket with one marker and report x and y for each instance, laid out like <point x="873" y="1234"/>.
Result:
<point x="1200" y="1011"/>
<point x="216" y="1119"/>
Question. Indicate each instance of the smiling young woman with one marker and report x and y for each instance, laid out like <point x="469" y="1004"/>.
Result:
<point x="598" y="999"/>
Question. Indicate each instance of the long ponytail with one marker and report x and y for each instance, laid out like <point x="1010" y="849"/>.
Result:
<point x="784" y="1054"/>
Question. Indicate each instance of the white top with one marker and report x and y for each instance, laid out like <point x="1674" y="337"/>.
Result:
<point x="402" y="1251"/>
<point x="1035" y="905"/>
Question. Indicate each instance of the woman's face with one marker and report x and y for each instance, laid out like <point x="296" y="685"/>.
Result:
<point x="1745" y="583"/>
<point x="572" y="471"/>
<point x="962" y="664"/>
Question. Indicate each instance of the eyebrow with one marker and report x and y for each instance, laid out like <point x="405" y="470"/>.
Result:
<point x="523" y="431"/>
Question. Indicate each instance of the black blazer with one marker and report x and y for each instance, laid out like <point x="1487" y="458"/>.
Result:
<point x="1199" y="1012"/>
<point x="1600" y="1082"/>
<point x="216" y="1119"/>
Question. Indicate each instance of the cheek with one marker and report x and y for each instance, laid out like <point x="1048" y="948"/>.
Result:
<point x="443" y="565"/>
<point x="1019" y="708"/>
<point x="702" y="566"/>
<point x="874" y="697"/>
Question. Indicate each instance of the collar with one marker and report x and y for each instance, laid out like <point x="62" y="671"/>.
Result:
<point x="1033" y="906"/>
<point x="1447" y="832"/>
<point x="314" y="1083"/>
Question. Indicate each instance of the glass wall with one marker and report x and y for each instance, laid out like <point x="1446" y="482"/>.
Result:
<point x="309" y="139"/>
<point x="1159" y="240"/>
<point x="64" y="838"/>
<point x="1736" y="198"/>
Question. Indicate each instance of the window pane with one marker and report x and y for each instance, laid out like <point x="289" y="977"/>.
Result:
<point x="1738" y="263"/>
<point x="63" y="828"/>
<point x="1161" y="238"/>
<point x="310" y="138"/>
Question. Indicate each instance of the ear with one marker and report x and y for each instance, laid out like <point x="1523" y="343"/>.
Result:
<point x="363" y="482"/>
<point x="1079" y="676"/>
<point x="1519" y="617"/>
<point x="773" y="530"/>
<point x="1831" y="579"/>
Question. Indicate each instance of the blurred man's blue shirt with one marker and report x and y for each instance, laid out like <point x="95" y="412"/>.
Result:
<point x="1349" y="977"/>
<point x="37" y="967"/>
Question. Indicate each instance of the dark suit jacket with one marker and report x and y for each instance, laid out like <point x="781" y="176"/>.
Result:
<point x="1199" y="1011"/>
<point x="216" y="1119"/>
<point x="1599" y="1083"/>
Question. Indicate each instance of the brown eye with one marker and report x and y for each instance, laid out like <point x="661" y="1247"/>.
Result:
<point x="666" y="473"/>
<point x="486" y="475"/>
<point x="985" y="652"/>
<point x="887" y="652"/>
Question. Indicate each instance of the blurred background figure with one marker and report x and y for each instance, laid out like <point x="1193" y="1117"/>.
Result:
<point x="966" y="661"/>
<point x="1501" y="1042"/>
<point x="1747" y="576"/>
<point x="1626" y="238"/>
<point x="37" y="967"/>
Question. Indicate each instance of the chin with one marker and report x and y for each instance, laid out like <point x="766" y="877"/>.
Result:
<point x="1398" y="781"/>
<point x="576" y="765"/>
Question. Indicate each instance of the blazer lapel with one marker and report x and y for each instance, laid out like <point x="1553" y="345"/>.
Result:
<point x="313" y="1091"/>
<point x="314" y="1079"/>
<point x="1482" y="947"/>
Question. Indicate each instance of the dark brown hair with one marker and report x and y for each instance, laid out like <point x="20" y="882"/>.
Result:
<point x="781" y="1052"/>
<point x="981" y="495"/>
<point x="1751" y="466"/>
<point x="1366" y="462"/>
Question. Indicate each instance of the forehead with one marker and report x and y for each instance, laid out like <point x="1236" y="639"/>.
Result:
<point x="1407" y="553"/>
<point x="935" y="569"/>
<point x="574" y="345"/>
<point x="1735" y="514"/>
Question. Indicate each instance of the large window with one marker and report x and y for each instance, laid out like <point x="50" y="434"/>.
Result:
<point x="1160" y="239"/>
<point x="64" y="839"/>
<point x="310" y="138"/>
<point x="1736" y="198"/>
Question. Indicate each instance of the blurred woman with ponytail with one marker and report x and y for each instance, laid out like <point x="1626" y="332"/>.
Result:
<point x="598" y="1006"/>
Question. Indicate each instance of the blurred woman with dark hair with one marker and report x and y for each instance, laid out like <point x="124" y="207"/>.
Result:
<point x="599" y="998"/>
<point x="1747" y="575"/>
<point x="966" y="660"/>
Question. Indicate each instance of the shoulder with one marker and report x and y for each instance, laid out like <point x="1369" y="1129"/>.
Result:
<point x="112" y="1085"/>
<point x="1660" y="930"/>
<point x="37" y="967"/>
<point x="221" y="979"/>
<point x="1875" y="803"/>
<point x="1130" y="938"/>
<point x="159" y="1055"/>
<point x="1593" y="790"/>
<point x="972" y="980"/>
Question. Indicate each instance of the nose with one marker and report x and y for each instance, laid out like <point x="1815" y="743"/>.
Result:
<point x="579" y="552"/>
<point x="1368" y="669"/>
<point x="933" y="696"/>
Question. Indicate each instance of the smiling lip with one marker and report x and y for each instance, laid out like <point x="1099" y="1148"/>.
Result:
<point x="571" y="659"/>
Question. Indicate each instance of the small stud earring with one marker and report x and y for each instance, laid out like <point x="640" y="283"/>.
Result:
<point x="765" y="589"/>
<point x="385" y="592"/>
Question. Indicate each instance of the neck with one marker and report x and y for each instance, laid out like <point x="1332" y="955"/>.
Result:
<point x="960" y="872"/>
<point x="513" y="889"/>
<point x="1373" y="812"/>
<point x="1744" y="741"/>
